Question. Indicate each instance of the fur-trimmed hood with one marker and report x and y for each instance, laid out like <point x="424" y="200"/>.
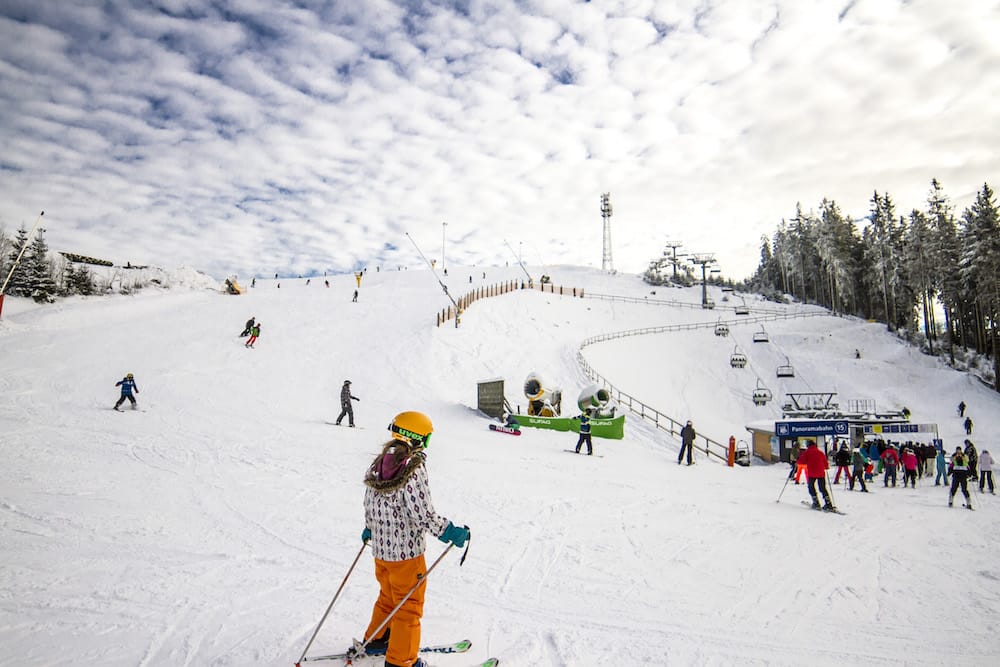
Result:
<point x="393" y="467"/>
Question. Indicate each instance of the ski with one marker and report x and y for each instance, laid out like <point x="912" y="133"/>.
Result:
<point x="505" y="429"/>
<point x="832" y="510"/>
<point x="454" y="647"/>
<point x="573" y="451"/>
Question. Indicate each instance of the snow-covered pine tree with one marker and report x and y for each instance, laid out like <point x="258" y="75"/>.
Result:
<point x="39" y="282"/>
<point x="18" y="280"/>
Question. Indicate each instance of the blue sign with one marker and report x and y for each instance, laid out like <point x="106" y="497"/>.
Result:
<point x="801" y="429"/>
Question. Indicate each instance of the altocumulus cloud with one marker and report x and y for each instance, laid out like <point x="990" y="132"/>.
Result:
<point x="253" y="136"/>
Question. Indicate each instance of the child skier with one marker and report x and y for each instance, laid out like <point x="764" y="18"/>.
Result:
<point x="254" y="332"/>
<point x="398" y="514"/>
<point x="128" y="386"/>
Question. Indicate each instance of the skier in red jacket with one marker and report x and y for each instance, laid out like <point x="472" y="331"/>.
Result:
<point x="890" y="461"/>
<point x="816" y="465"/>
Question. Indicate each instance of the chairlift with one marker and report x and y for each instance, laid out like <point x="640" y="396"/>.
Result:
<point x="721" y="328"/>
<point x="737" y="359"/>
<point x="725" y="298"/>
<point x="708" y="304"/>
<point x="760" y="336"/>
<point x="742" y="457"/>
<point x="727" y="288"/>
<point x="742" y="309"/>
<point x="785" y="371"/>
<point x="761" y="395"/>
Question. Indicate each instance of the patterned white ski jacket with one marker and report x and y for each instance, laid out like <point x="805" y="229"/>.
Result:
<point x="399" y="510"/>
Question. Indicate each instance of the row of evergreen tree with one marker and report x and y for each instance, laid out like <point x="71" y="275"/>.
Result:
<point x="896" y="267"/>
<point x="36" y="274"/>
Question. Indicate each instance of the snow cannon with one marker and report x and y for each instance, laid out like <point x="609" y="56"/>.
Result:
<point x="541" y="401"/>
<point x="598" y="399"/>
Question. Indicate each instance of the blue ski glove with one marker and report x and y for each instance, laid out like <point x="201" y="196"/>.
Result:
<point x="457" y="535"/>
<point x="366" y="534"/>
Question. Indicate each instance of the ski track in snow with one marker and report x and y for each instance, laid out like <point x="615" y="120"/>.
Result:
<point x="213" y="526"/>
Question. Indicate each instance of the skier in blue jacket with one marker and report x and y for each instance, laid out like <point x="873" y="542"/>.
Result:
<point x="127" y="384"/>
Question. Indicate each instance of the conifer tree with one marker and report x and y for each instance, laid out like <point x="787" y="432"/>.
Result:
<point x="39" y="283"/>
<point x="18" y="280"/>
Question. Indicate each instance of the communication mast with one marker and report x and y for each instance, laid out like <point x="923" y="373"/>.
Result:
<point x="606" y="262"/>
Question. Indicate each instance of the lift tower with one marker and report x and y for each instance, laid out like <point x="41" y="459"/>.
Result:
<point x="606" y="263"/>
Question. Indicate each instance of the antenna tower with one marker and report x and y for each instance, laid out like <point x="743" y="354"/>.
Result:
<point x="606" y="262"/>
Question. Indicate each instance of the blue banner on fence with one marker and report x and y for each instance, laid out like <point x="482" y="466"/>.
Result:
<point x="799" y="429"/>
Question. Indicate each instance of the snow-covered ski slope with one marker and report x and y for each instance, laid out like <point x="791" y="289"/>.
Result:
<point x="214" y="526"/>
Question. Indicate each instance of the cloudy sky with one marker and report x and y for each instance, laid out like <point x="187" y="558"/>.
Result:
<point x="300" y="136"/>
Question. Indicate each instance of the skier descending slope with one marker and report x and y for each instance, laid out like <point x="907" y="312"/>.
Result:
<point x="128" y="386"/>
<point x="398" y="512"/>
<point x="959" y="471"/>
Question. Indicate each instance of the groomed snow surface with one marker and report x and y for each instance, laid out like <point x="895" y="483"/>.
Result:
<point x="213" y="526"/>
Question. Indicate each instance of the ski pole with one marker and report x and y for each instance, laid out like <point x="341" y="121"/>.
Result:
<point x="336" y="595"/>
<point x="360" y="647"/>
<point x="787" y="479"/>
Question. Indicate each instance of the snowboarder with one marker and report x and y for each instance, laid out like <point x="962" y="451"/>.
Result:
<point x="843" y="460"/>
<point x="398" y="514"/>
<point x="687" y="442"/>
<point x="959" y="471"/>
<point x="584" y="418"/>
<point x="986" y="472"/>
<point x="247" y="328"/>
<point x="961" y="409"/>
<point x="890" y="460"/>
<point x="968" y="426"/>
<point x="128" y="386"/>
<point x="254" y="332"/>
<point x="860" y="463"/>
<point x="816" y="465"/>
<point x="345" y="404"/>
<point x="910" y="463"/>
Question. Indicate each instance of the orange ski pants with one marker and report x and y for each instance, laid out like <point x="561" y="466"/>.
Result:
<point x="395" y="579"/>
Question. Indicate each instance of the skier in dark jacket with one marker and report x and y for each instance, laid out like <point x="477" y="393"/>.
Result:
<point x="972" y="458"/>
<point x="247" y="328"/>
<point x="345" y="404"/>
<point x="843" y="460"/>
<point x="816" y="465"/>
<point x="959" y="471"/>
<point x="860" y="463"/>
<point x="584" y="418"/>
<point x="128" y="386"/>
<point x="687" y="442"/>
<point x="968" y="426"/>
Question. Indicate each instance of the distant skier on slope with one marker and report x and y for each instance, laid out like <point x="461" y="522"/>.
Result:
<point x="584" y="418"/>
<point x="128" y="386"/>
<point x="345" y="404"/>
<point x="248" y="327"/>
<point x="398" y="514"/>
<point x="687" y="442"/>
<point x="254" y="333"/>
<point x="816" y="465"/>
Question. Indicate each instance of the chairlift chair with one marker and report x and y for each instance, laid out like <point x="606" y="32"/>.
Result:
<point x="742" y="309"/>
<point x="785" y="371"/>
<point x="760" y="336"/>
<point x="761" y="395"/>
<point x="737" y="359"/>
<point x="721" y="328"/>
<point x="708" y="304"/>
